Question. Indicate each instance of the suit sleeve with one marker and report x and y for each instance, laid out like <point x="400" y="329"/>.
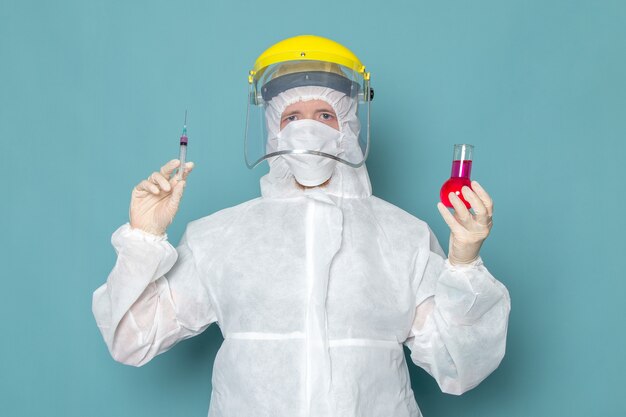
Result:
<point x="153" y="297"/>
<point x="459" y="332"/>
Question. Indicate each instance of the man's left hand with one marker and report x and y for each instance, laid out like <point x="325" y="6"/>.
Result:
<point x="468" y="231"/>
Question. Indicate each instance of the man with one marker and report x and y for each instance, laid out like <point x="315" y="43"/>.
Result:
<point x="317" y="284"/>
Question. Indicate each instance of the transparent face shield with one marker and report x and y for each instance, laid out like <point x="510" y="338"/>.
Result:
<point x="348" y="89"/>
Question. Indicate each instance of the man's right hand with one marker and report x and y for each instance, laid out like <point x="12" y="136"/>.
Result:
<point x="154" y="201"/>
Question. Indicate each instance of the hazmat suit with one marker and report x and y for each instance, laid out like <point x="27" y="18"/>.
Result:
<point x="315" y="290"/>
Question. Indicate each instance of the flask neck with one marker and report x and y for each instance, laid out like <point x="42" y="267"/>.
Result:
<point x="461" y="168"/>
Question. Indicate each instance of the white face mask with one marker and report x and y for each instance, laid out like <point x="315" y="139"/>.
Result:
<point x="310" y="135"/>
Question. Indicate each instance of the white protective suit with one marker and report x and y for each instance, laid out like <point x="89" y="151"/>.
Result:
<point x="315" y="292"/>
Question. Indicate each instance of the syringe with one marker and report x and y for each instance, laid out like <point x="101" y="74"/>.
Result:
<point x="183" y="151"/>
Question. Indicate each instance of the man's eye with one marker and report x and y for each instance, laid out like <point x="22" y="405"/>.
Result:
<point x="290" y="118"/>
<point x="327" y="116"/>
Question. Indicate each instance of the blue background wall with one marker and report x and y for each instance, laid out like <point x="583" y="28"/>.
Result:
<point x="92" y="96"/>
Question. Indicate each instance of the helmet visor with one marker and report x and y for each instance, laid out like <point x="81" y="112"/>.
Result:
<point x="345" y="89"/>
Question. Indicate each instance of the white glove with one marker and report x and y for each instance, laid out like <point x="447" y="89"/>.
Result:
<point x="468" y="231"/>
<point x="154" y="201"/>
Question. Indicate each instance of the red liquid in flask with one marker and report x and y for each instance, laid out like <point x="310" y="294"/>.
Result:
<point x="460" y="176"/>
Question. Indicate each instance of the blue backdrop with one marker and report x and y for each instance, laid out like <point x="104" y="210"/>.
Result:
<point x="92" y="97"/>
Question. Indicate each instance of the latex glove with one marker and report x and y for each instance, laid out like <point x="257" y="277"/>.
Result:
<point x="468" y="231"/>
<point x="154" y="201"/>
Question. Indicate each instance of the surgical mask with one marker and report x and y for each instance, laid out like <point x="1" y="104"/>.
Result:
<point x="310" y="135"/>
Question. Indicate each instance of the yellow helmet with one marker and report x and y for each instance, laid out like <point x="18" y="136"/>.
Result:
<point x="303" y="61"/>
<point x="306" y="54"/>
<point x="308" y="48"/>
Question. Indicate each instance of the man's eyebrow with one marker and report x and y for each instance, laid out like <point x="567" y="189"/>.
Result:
<point x="291" y="113"/>
<point x="325" y="109"/>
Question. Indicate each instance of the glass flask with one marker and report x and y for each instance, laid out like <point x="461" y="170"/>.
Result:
<point x="460" y="175"/>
